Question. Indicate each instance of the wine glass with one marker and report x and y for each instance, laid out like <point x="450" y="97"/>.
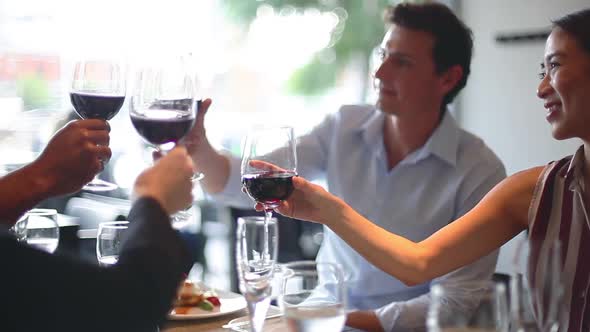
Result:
<point x="269" y="162"/>
<point x="163" y="109"/>
<point x="313" y="296"/>
<point x="98" y="92"/>
<point x="490" y="314"/>
<point x="163" y="104"/>
<point x="42" y="230"/>
<point x="109" y="240"/>
<point x="537" y="296"/>
<point x="256" y="254"/>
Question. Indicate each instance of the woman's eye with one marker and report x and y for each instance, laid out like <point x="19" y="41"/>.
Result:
<point x="542" y="75"/>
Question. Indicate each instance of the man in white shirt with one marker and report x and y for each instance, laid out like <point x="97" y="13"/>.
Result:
<point x="403" y="163"/>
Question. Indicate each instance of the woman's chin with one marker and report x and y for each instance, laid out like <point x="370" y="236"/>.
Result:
<point x="559" y="134"/>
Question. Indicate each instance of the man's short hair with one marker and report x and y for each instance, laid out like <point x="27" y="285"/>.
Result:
<point x="453" y="40"/>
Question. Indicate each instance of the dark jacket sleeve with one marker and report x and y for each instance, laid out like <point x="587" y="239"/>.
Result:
<point x="45" y="292"/>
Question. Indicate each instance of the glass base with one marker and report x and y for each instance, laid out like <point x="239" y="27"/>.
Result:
<point x="99" y="185"/>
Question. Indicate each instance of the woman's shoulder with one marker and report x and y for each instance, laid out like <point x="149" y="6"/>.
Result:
<point x="513" y="196"/>
<point x="527" y="175"/>
<point x="524" y="180"/>
<point x="539" y="174"/>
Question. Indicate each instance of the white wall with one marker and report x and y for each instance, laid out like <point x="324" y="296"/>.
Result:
<point x="499" y="103"/>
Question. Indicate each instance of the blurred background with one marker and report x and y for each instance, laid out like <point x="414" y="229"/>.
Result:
<point x="272" y="61"/>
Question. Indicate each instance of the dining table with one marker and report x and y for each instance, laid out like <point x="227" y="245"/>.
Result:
<point x="215" y="324"/>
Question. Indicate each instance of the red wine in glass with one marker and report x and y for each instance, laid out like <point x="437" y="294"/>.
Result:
<point x="93" y="106"/>
<point x="160" y="128"/>
<point x="269" y="188"/>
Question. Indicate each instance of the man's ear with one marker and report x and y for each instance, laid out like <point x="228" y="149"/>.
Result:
<point x="451" y="77"/>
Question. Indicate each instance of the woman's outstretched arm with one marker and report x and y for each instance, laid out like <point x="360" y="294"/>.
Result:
<point x="500" y="215"/>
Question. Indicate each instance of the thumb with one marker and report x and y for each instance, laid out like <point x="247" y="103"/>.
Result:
<point x="203" y="107"/>
<point x="300" y="183"/>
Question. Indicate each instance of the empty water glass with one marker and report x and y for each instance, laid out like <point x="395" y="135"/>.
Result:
<point x="313" y="297"/>
<point x="109" y="240"/>
<point x="42" y="230"/>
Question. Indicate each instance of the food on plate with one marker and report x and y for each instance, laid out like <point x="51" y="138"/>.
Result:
<point x="190" y="294"/>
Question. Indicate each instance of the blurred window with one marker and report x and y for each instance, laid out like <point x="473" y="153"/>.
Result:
<point x="260" y="64"/>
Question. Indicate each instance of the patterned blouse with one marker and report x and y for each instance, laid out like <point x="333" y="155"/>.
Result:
<point x="558" y="212"/>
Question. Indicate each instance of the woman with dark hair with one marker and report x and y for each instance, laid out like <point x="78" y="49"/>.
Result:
<point x="552" y="201"/>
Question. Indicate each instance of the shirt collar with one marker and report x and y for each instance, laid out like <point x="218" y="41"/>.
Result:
<point x="574" y="171"/>
<point x="443" y="142"/>
<point x="372" y="129"/>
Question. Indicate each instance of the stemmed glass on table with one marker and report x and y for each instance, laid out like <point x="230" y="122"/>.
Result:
<point x="163" y="107"/>
<point x="256" y="255"/>
<point x="98" y="92"/>
<point x="537" y="302"/>
<point x="312" y="296"/>
<point x="489" y="298"/>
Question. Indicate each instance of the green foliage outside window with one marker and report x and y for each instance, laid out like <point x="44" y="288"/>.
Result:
<point x="361" y="28"/>
<point x="34" y="91"/>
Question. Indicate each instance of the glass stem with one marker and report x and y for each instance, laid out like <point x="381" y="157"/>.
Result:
<point x="267" y="217"/>
<point x="257" y="313"/>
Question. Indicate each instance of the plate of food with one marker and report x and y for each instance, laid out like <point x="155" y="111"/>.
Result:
<point x="195" y="301"/>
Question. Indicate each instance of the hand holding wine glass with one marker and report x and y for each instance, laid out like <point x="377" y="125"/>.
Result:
<point x="74" y="155"/>
<point x="310" y="202"/>
<point x="168" y="181"/>
<point x="163" y="109"/>
<point x="269" y="162"/>
<point x="98" y="92"/>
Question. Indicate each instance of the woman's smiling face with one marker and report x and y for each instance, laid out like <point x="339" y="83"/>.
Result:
<point x="565" y="86"/>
